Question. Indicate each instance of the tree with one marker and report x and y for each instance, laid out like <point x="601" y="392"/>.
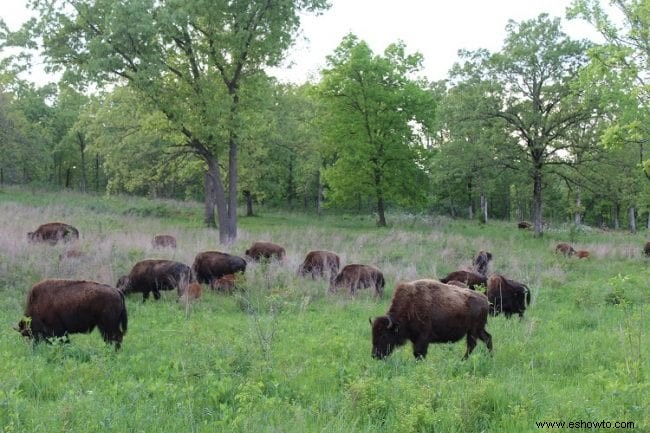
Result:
<point x="375" y="109"/>
<point x="190" y="58"/>
<point x="528" y="86"/>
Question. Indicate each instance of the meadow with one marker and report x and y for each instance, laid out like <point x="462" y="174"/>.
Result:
<point x="283" y="355"/>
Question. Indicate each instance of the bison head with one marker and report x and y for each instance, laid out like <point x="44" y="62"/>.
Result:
<point x="24" y="327"/>
<point x="123" y="284"/>
<point x="385" y="336"/>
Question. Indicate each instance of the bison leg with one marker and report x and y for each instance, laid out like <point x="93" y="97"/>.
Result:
<point x="486" y="338"/>
<point x="420" y="348"/>
<point x="156" y="294"/>
<point x="471" y="344"/>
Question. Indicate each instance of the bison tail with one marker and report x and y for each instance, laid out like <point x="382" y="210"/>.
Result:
<point x="527" y="295"/>
<point x="124" y="320"/>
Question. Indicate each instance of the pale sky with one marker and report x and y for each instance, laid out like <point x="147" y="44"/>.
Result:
<point x="435" y="28"/>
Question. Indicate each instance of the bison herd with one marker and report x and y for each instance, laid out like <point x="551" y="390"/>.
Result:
<point x="422" y="311"/>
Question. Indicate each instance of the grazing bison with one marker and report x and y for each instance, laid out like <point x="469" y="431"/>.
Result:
<point x="354" y="277"/>
<point x="210" y="265"/>
<point x="319" y="263"/>
<point x="265" y="250"/>
<point x="155" y="275"/>
<point x="52" y="233"/>
<point x="470" y="278"/>
<point x="481" y="262"/>
<point x="192" y="293"/>
<point x="565" y="249"/>
<point x="56" y="308"/>
<point x="524" y="225"/>
<point x="163" y="241"/>
<point x="582" y="254"/>
<point x="507" y="296"/>
<point x="427" y="311"/>
<point x="646" y="249"/>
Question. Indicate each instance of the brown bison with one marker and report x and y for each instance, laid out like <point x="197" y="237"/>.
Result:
<point x="155" y="275"/>
<point x="481" y="262"/>
<point x="163" y="241"/>
<point x="210" y="265"/>
<point x="354" y="277"/>
<point x="646" y="249"/>
<point x="507" y="296"/>
<point x="56" y="308"/>
<point x="53" y="233"/>
<point x="524" y="225"/>
<point x="227" y="283"/>
<point x="472" y="279"/>
<point x="582" y="254"/>
<point x="193" y="292"/>
<point x="565" y="249"/>
<point x="265" y="250"/>
<point x="319" y="263"/>
<point x="428" y="311"/>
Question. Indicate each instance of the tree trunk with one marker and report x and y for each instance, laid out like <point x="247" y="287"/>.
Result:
<point x="68" y="177"/>
<point x="380" y="210"/>
<point x="470" y="209"/>
<point x="632" y="212"/>
<point x="82" y="151"/>
<point x="617" y="216"/>
<point x="97" y="173"/>
<point x="248" y="197"/>
<point x="229" y="234"/>
<point x="209" y="198"/>
<point x="576" y="215"/>
<point x="537" y="201"/>
<point x="484" y="209"/>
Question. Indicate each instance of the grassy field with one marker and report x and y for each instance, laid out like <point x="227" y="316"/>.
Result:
<point x="282" y="355"/>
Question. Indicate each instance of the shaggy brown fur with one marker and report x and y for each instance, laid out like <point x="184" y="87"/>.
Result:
<point x="53" y="233"/>
<point x="507" y="296"/>
<point x="56" y="308"/>
<point x="428" y="311"/>
<point x="565" y="249"/>
<point x="354" y="277"/>
<point x="265" y="250"/>
<point x="163" y="241"/>
<point x="472" y="279"/>
<point x="155" y="275"/>
<point x="210" y="265"/>
<point x="457" y="284"/>
<point x="227" y="283"/>
<point x="481" y="262"/>
<point x="646" y="249"/>
<point x="525" y="225"/>
<point x="193" y="292"/>
<point x="320" y="263"/>
<point x="582" y="254"/>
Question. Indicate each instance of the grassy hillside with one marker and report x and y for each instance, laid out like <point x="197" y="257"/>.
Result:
<point x="282" y="355"/>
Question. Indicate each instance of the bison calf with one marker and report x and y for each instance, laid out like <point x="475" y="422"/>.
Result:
<point x="472" y="279"/>
<point x="565" y="249"/>
<point x="354" y="277"/>
<point x="319" y="263"/>
<point x="211" y="265"/>
<point x="163" y="241"/>
<point x="56" y="308"/>
<point x="155" y="275"/>
<point x="52" y="233"/>
<point x="265" y="250"/>
<point x="428" y="311"/>
<point x="481" y="262"/>
<point x="582" y="254"/>
<point x="507" y="296"/>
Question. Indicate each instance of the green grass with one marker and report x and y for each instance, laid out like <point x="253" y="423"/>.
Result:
<point x="284" y="356"/>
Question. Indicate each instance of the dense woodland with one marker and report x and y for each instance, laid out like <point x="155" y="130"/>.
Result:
<point x="171" y="100"/>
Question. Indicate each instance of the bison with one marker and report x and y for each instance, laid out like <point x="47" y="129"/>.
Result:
<point x="192" y="292"/>
<point x="524" y="225"/>
<point x="265" y="250"/>
<point x="210" y="265"/>
<point x="227" y="283"/>
<point x="428" y="311"/>
<point x="53" y="233"/>
<point x="582" y="254"/>
<point x="163" y="241"/>
<point x="319" y="263"/>
<point x="507" y="296"/>
<point x="565" y="249"/>
<point x="155" y="275"/>
<point x="56" y="308"/>
<point x="354" y="277"/>
<point x="481" y="262"/>
<point x="470" y="278"/>
<point x="646" y="249"/>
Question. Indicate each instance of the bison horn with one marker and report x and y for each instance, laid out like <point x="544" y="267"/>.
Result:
<point x="390" y="322"/>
